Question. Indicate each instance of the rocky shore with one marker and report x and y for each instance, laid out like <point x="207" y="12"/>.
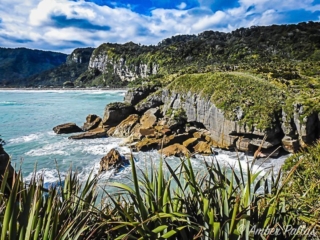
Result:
<point x="182" y="125"/>
<point x="61" y="88"/>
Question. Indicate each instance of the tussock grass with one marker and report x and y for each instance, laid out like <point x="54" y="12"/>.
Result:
<point x="163" y="203"/>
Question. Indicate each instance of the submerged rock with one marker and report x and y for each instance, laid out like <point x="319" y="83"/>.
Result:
<point x="67" y="128"/>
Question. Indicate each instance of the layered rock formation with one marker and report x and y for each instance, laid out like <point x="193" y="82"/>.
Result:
<point x="112" y="160"/>
<point x="66" y="128"/>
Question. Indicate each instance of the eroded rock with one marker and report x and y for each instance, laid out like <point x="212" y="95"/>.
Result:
<point x="176" y="149"/>
<point x="66" y="128"/>
<point x="95" y="133"/>
<point x="92" y="121"/>
<point x="112" y="160"/>
<point x="124" y="128"/>
<point x="115" y="113"/>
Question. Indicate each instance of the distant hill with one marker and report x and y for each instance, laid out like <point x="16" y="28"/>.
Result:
<point x="76" y="63"/>
<point x="20" y="63"/>
<point x="278" y="51"/>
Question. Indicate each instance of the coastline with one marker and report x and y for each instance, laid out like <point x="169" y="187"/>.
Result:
<point x="64" y="89"/>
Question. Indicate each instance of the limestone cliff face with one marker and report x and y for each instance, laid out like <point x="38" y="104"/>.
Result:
<point x="301" y="129"/>
<point x="288" y="132"/>
<point x="223" y="131"/>
<point x="108" y="65"/>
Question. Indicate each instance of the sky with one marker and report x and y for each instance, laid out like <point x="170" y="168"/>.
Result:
<point x="63" y="25"/>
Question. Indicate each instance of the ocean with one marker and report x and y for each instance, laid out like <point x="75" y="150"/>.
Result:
<point x="28" y="116"/>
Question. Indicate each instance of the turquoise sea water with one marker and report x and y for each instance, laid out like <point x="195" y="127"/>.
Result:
<point x="27" y="118"/>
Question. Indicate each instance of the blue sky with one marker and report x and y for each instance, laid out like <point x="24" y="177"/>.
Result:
<point x="63" y="25"/>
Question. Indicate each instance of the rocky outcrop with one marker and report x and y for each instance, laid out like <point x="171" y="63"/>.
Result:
<point x="301" y="129"/>
<point x="94" y="133"/>
<point x="103" y="60"/>
<point x="67" y="128"/>
<point x="116" y="112"/>
<point x="124" y="128"/>
<point x="135" y="95"/>
<point x="223" y="131"/>
<point x="166" y="118"/>
<point x="176" y="150"/>
<point x="181" y="108"/>
<point x="112" y="160"/>
<point x="92" y="121"/>
<point x="152" y="101"/>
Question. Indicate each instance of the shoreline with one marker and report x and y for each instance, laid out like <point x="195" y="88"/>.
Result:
<point x="61" y="88"/>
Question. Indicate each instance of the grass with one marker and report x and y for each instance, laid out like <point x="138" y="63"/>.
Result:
<point x="166" y="203"/>
<point x="258" y="99"/>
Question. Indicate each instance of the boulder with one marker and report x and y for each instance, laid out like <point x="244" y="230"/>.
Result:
<point x="147" y="144"/>
<point x="243" y="144"/>
<point x="92" y="121"/>
<point x="149" y="118"/>
<point x="124" y="128"/>
<point x="290" y="145"/>
<point x="177" y="138"/>
<point x="190" y="143"/>
<point x="112" y="160"/>
<point x="111" y="131"/>
<point x="147" y="132"/>
<point x="265" y="144"/>
<point x="176" y="149"/>
<point x="95" y="133"/>
<point x="202" y="148"/>
<point x="115" y="113"/>
<point x="67" y="128"/>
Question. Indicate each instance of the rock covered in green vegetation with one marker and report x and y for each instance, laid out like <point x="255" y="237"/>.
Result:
<point x="227" y="104"/>
<point x="253" y="48"/>
<point x="135" y="95"/>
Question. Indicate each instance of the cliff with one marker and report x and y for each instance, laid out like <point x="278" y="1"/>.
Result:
<point x="18" y="64"/>
<point x="230" y="110"/>
<point x="255" y="49"/>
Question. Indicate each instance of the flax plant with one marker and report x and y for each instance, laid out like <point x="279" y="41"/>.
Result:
<point x="32" y="212"/>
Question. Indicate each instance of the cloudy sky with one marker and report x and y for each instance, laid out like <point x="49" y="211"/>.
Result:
<point x="62" y="25"/>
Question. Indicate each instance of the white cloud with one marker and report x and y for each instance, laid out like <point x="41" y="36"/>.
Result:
<point x="33" y="24"/>
<point x="182" y="5"/>
<point x="208" y="22"/>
